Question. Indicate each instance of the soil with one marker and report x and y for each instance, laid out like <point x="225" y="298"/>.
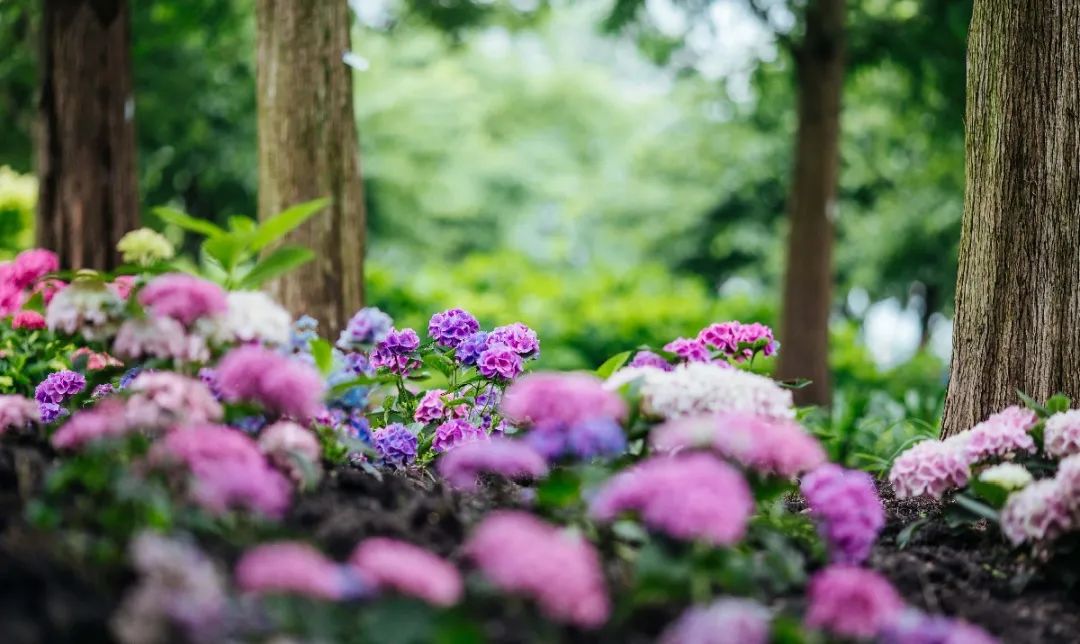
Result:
<point x="971" y="573"/>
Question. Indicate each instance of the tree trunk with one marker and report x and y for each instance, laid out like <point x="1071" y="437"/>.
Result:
<point x="88" y="195"/>
<point x="308" y="149"/>
<point x="1018" y="287"/>
<point x="812" y="205"/>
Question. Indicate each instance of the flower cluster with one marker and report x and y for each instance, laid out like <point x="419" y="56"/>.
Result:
<point x="851" y="602"/>
<point x="519" y="553"/>
<point x="105" y="420"/>
<point x="163" y="399"/>
<point x="277" y="383"/>
<point x="915" y="627"/>
<point x="252" y="316"/>
<point x="432" y="409"/>
<point x="692" y="497"/>
<point x="450" y="328"/>
<point x="1061" y="434"/>
<point x="650" y="359"/>
<point x="395" y="352"/>
<point x="846" y="507"/>
<point x="20" y="275"/>
<point x="16" y="412"/>
<point x="368" y="327"/>
<point x="55" y="390"/>
<point x="1007" y="476"/>
<point x="511" y="459"/>
<point x="145" y="247"/>
<point x="87" y="307"/>
<point x="183" y="298"/>
<point x="293" y="568"/>
<point x="930" y="467"/>
<point x="395" y="565"/>
<point x="1041" y="510"/>
<point x="737" y="340"/>
<point x="1000" y="436"/>
<point x="689" y="349"/>
<point x="159" y="337"/>
<point x="395" y="444"/>
<point x="727" y="620"/>
<point x="454" y="432"/>
<point x="294" y="449"/>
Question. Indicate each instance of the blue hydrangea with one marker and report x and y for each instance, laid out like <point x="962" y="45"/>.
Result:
<point x="596" y="437"/>
<point x="471" y="347"/>
<point x="303" y="331"/>
<point x="128" y="376"/>
<point x="367" y="327"/>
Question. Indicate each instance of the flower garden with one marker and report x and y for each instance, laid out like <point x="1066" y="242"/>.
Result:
<point x="183" y="461"/>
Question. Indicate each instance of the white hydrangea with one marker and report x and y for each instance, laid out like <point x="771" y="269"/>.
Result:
<point x="1009" y="476"/>
<point x="86" y="307"/>
<point x="700" y="387"/>
<point x="629" y="374"/>
<point x="253" y="316"/>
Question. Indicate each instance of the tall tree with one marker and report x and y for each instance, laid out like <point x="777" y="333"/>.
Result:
<point x="1018" y="287"/>
<point x="88" y="195"/>
<point x="808" y="282"/>
<point x="308" y="149"/>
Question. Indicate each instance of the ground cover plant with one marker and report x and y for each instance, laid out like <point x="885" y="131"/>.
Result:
<point x="186" y="462"/>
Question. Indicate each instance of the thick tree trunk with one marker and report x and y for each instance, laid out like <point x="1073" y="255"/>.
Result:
<point x="308" y="149"/>
<point x="88" y="195"/>
<point x="1018" y="290"/>
<point x="812" y="204"/>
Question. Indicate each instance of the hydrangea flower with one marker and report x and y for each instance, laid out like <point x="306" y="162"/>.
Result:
<point x="28" y="320"/>
<point x="450" y="327"/>
<point x="395" y="444"/>
<point x="511" y="459"/>
<point x="454" y="432"/>
<point x="915" y="627"/>
<point x="851" y="602"/>
<point x="295" y="568"/>
<point x="56" y="389"/>
<point x="280" y="385"/>
<point x="31" y="265"/>
<point x="122" y="286"/>
<point x="1008" y="476"/>
<point x="402" y="567"/>
<point x="560" y="399"/>
<point x="395" y="352"/>
<point x="1036" y="513"/>
<point x="1000" y="436"/>
<point x="252" y="316"/>
<point x="17" y="412"/>
<point x="367" y="327"/>
<point x="521" y="554"/>
<point x="650" y="359"/>
<point x="94" y="361"/>
<point x="103" y="421"/>
<point x="847" y="510"/>
<point x="519" y="337"/>
<point x="285" y="442"/>
<point x="689" y="350"/>
<point x="87" y="308"/>
<point x="691" y="497"/>
<point x="303" y="331"/>
<point x="728" y="336"/>
<point x="1061" y="434"/>
<point x="596" y="437"/>
<point x="159" y="337"/>
<point x="930" y="467"/>
<point x="145" y="247"/>
<point x="727" y="620"/>
<point x="770" y="446"/>
<point x="184" y="298"/>
<point x="698" y="387"/>
<point x="499" y="361"/>
<point x="431" y="407"/>
<point x="469" y="349"/>
<point x="347" y="367"/>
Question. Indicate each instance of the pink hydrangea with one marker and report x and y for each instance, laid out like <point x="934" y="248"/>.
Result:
<point x="692" y="497"/>
<point x="161" y="399"/>
<point x="284" y="442"/>
<point x="999" y="436"/>
<point x="723" y="336"/>
<point x="1068" y="478"/>
<point x="48" y="289"/>
<point x="518" y="336"/>
<point x="499" y="361"/>
<point x="158" y="337"/>
<point x="122" y="286"/>
<point x="106" y="420"/>
<point x="279" y="384"/>
<point x="431" y="408"/>
<point x="775" y="446"/>
<point x="454" y="432"/>
<point x="95" y="361"/>
<point x="184" y="298"/>
<point x="930" y="467"/>
<point x="294" y="568"/>
<point x="28" y="320"/>
<point x="847" y="510"/>
<point x="31" y="265"/>
<point x="17" y="412"/>
<point x="561" y="571"/>
<point x="399" y="566"/>
<point x="688" y="349"/>
<point x="1061" y="434"/>
<point x="1038" y="512"/>
<point x="512" y="459"/>
<point x="851" y="602"/>
<point x="725" y="621"/>
<point x="560" y="399"/>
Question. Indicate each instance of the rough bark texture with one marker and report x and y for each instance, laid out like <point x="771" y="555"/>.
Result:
<point x="812" y="204"/>
<point x="88" y="195"/>
<point x="308" y="149"/>
<point x="1018" y="290"/>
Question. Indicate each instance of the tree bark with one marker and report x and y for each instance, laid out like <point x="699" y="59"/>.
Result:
<point x="308" y="149"/>
<point x="88" y="194"/>
<point x="819" y="61"/>
<point x="1018" y="286"/>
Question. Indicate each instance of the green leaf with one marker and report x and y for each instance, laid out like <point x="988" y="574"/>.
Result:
<point x="323" y="354"/>
<point x="242" y="224"/>
<point x="798" y="383"/>
<point x="187" y="222"/>
<point x="905" y="535"/>
<point x="286" y="221"/>
<point x="1058" y="403"/>
<point x="976" y="507"/>
<point x="561" y="489"/>
<point x="226" y="249"/>
<point x="1033" y="404"/>
<point x="612" y="364"/>
<point x="277" y="263"/>
<point x="995" y="495"/>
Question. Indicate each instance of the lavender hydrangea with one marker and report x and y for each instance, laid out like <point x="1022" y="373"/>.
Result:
<point x="455" y="432"/>
<point x="847" y="509"/>
<point x="650" y="359"/>
<point x="519" y="337"/>
<point x="304" y="330"/>
<point x="469" y="350"/>
<point x="57" y="387"/>
<point x="591" y="438"/>
<point x="452" y="326"/>
<point x="395" y="444"/>
<point x="499" y="361"/>
<point x="367" y="327"/>
<point x="394" y="353"/>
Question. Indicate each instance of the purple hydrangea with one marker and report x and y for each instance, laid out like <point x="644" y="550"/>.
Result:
<point x="689" y="350"/>
<point x="455" y="432"/>
<point x="846" y="507"/>
<point x="394" y="353"/>
<point x="54" y="390"/>
<point x="395" y="444"/>
<point x="367" y="327"/>
<point x="209" y="378"/>
<point x="471" y="347"/>
<point x="650" y="359"/>
<point x="518" y="337"/>
<point x="499" y="361"/>
<point x="130" y="375"/>
<point x="102" y="390"/>
<point x="596" y="437"/>
<point x="250" y="424"/>
<point x="452" y="326"/>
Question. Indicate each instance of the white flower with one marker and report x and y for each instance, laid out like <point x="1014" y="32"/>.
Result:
<point x="159" y="337"/>
<point x="629" y="374"/>
<point x="1009" y="476"/>
<point x="86" y="307"/>
<point x="700" y="387"/>
<point x="253" y="316"/>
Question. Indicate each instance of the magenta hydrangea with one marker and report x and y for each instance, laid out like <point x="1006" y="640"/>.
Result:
<point x="450" y="327"/>
<point x="560" y="399"/>
<point x="499" y="361"/>
<point x="519" y="337"/>
<point x="1002" y="435"/>
<point x="691" y="497"/>
<point x="851" y="602"/>
<point x="689" y="350"/>
<point x="512" y="459"/>
<point x="396" y="352"/>
<point x="722" y="336"/>
<point x="184" y="298"/>
<point x="931" y="468"/>
<point x="915" y="627"/>
<point x="454" y="432"/>
<point x="395" y="444"/>
<point x="28" y="321"/>
<point x="650" y="359"/>
<point x="522" y="554"/>
<point x="295" y="568"/>
<point x="103" y="421"/>
<point x="1061" y="434"/>
<point x="55" y="390"/>
<point x="367" y="327"/>
<point x="729" y="336"/>
<point x="31" y="265"/>
<point x="728" y="620"/>
<point x="468" y="350"/>
<point x="398" y="566"/>
<point x="846" y="507"/>
<point x="431" y="407"/>
<point x="16" y="412"/>
<point x="277" y="383"/>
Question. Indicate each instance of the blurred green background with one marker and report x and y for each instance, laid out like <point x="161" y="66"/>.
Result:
<point x="611" y="172"/>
